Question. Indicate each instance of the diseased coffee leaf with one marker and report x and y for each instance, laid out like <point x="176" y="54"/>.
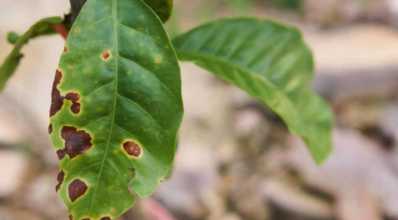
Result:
<point x="116" y="108"/>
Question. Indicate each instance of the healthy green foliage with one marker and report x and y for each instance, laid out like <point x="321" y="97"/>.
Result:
<point x="42" y="27"/>
<point x="116" y="108"/>
<point x="270" y="62"/>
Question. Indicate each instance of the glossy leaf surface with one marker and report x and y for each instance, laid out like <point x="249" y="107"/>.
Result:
<point x="10" y="64"/>
<point x="163" y="8"/>
<point x="270" y="62"/>
<point x="116" y="108"/>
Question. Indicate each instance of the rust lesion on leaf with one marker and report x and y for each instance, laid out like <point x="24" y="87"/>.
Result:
<point x="50" y="128"/>
<point x="66" y="49"/>
<point x="132" y="149"/>
<point x="56" y="99"/>
<point x="106" y="55"/>
<point x="74" y="97"/>
<point x="61" y="154"/>
<point x="76" y="141"/>
<point x="77" y="188"/>
<point x="60" y="179"/>
<point x="106" y="218"/>
<point x="158" y="59"/>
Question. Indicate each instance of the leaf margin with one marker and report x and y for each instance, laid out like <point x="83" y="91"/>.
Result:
<point x="165" y="170"/>
<point x="319" y="154"/>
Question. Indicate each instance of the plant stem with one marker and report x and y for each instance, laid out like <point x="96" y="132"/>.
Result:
<point x="61" y="30"/>
<point x="76" y="6"/>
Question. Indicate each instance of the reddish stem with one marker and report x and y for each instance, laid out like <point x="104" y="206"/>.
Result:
<point x="61" y="29"/>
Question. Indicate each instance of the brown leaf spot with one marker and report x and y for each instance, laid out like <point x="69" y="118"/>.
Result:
<point x="106" y="55"/>
<point x="105" y="218"/>
<point x="158" y="59"/>
<point x="61" y="154"/>
<point x="76" y="142"/>
<point x="132" y="149"/>
<point x="56" y="99"/>
<point x="65" y="49"/>
<point x="77" y="189"/>
<point x="50" y="128"/>
<point x="74" y="98"/>
<point x="60" y="179"/>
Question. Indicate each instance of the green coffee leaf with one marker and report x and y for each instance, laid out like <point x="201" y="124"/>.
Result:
<point x="42" y="27"/>
<point x="270" y="62"/>
<point x="163" y="8"/>
<point x="116" y="108"/>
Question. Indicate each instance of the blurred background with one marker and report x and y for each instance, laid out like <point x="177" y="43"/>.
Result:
<point x="236" y="160"/>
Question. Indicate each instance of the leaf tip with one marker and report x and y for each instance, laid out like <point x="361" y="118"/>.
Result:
<point x="321" y="155"/>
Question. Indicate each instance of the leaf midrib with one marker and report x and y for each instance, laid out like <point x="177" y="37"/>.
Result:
<point x="224" y="61"/>
<point x="115" y="95"/>
<point x="296" y="127"/>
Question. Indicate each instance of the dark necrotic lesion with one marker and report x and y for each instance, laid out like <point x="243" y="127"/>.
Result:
<point x="60" y="179"/>
<point x="77" y="188"/>
<point x="57" y="100"/>
<point x="76" y="142"/>
<point x="50" y="128"/>
<point x="75" y="99"/>
<point x="132" y="148"/>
